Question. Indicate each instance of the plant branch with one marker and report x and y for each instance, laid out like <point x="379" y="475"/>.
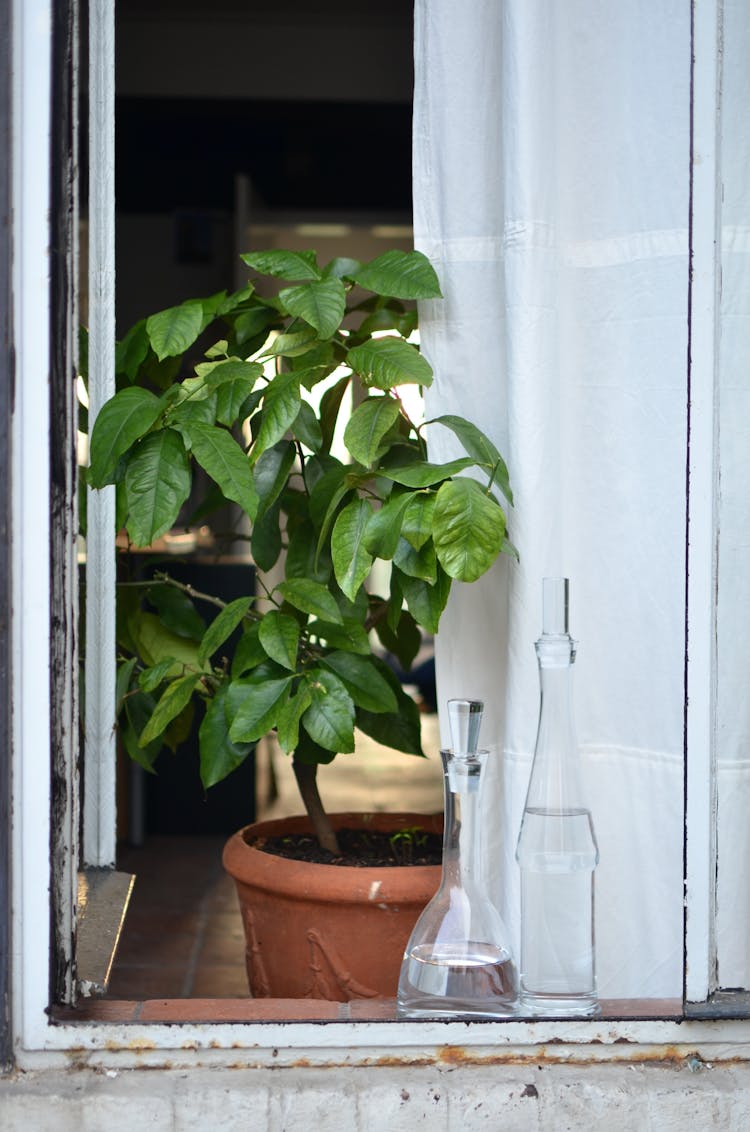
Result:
<point x="306" y="776"/>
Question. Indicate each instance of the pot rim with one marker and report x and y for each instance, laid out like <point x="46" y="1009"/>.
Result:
<point x="254" y="868"/>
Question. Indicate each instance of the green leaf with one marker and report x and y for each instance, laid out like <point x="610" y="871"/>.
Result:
<point x="121" y="421"/>
<point x="367" y="426"/>
<point x="139" y="707"/>
<point x="426" y="602"/>
<point x="362" y="680"/>
<point x="330" y="403"/>
<point x="417" y="524"/>
<point x="301" y="559"/>
<point x="179" y="730"/>
<point x="219" y="454"/>
<point x="281" y="404"/>
<point x="130" y="351"/>
<point x="307" y="427"/>
<point x="387" y="362"/>
<point x="279" y="635"/>
<point x="154" y="642"/>
<point x="420" y="563"/>
<point x="284" y="264"/>
<point x="150" y="678"/>
<point x="172" y="331"/>
<point x="311" y="753"/>
<point x="468" y="529"/>
<point x="252" y="705"/>
<point x="480" y="448"/>
<point x="342" y="267"/>
<point x="423" y="474"/>
<point x="404" y="642"/>
<point x="265" y="540"/>
<point x="157" y="483"/>
<point x="384" y="527"/>
<point x="249" y="652"/>
<point x="402" y="275"/>
<point x="271" y="473"/>
<point x="321" y="303"/>
<point x="351" y="559"/>
<point x="292" y="345"/>
<point x="122" y="683"/>
<point x="350" y="637"/>
<point x="290" y="714"/>
<point x="176" y="610"/>
<point x="402" y="729"/>
<point x="171" y="703"/>
<point x="222" y="627"/>
<point x="329" y="720"/>
<point x="399" y="731"/>
<point x="219" y="756"/>
<point x="311" y="597"/>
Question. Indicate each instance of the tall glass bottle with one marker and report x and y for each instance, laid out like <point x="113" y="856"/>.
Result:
<point x="557" y="850"/>
<point x="457" y="960"/>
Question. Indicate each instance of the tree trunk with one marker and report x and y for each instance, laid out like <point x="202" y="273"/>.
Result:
<point x="306" y="775"/>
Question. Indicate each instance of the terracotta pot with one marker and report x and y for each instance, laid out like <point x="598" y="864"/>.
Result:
<point x="327" y="931"/>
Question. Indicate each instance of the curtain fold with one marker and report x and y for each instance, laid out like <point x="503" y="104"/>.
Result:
<point x="551" y="191"/>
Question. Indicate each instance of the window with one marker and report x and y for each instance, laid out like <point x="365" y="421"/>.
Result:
<point x="41" y="600"/>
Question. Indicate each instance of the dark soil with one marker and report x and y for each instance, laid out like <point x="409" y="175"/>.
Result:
<point x="360" y="848"/>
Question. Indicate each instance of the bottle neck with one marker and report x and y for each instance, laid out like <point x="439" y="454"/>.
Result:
<point x="555" y="783"/>
<point x="462" y="831"/>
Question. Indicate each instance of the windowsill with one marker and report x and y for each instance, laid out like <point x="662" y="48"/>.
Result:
<point x="249" y="1010"/>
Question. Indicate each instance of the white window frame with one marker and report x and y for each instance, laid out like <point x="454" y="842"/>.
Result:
<point x="39" y="1041"/>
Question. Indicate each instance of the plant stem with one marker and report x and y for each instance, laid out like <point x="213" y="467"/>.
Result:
<point x="306" y="775"/>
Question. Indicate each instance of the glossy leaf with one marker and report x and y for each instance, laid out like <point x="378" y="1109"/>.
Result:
<point x="271" y="473"/>
<point x="172" y="331"/>
<point x="279" y="635"/>
<point x="468" y="529"/>
<point x="219" y="756"/>
<point x="157" y="483"/>
<point x="329" y="720"/>
<point x="120" y="422"/>
<point x="172" y="701"/>
<point x="404" y="642"/>
<point x="249" y="652"/>
<point x="321" y="303"/>
<point x="402" y="729"/>
<point x="222" y="627"/>
<point x="351" y="635"/>
<point x="154" y="641"/>
<point x="281" y="404"/>
<point x="290" y="714"/>
<point x="420" y="563"/>
<point x="130" y="351"/>
<point x="417" y="524"/>
<point x="311" y="597"/>
<point x="265" y="540"/>
<point x="423" y="474"/>
<point x="480" y="448"/>
<point x="388" y="362"/>
<point x="219" y="454"/>
<point x="351" y="559"/>
<point x="362" y="680"/>
<point x="426" y="602"/>
<point x="367" y="426"/>
<point x="307" y="427"/>
<point x="284" y="264"/>
<point x="252" y="705"/>
<point x="384" y="527"/>
<point x="176" y="610"/>
<point x="403" y="275"/>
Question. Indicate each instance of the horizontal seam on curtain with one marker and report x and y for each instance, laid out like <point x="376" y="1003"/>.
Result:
<point x="531" y="236"/>
<point x="602" y="753"/>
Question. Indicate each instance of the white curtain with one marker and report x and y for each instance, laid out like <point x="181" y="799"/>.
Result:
<point x="551" y="190"/>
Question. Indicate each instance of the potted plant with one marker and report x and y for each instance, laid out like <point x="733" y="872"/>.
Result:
<point x="295" y="655"/>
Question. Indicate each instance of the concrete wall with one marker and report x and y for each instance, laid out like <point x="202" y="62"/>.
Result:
<point x="548" y="1098"/>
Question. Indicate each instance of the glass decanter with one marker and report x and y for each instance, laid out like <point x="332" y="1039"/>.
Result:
<point x="557" y="850"/>
<point x="457" y="960"/>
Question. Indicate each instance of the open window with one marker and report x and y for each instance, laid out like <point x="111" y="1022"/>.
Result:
<point x="44" y="515"/>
